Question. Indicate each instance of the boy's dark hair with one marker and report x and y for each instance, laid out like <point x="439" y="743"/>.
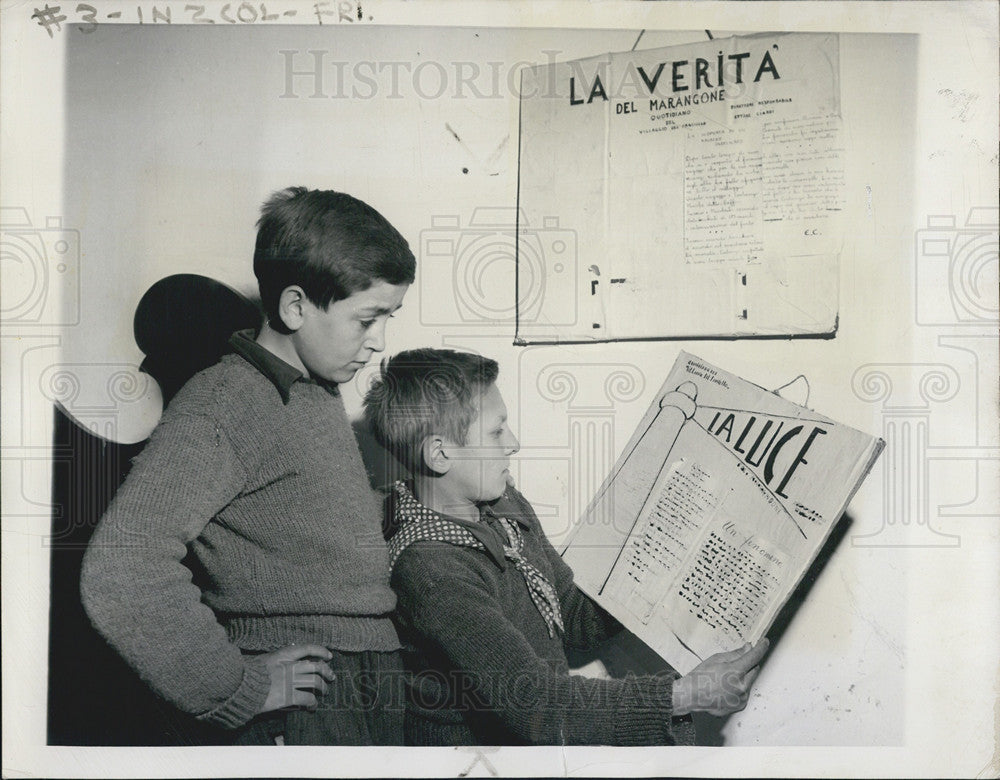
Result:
<point x="425" y="391"/>
<point x="330" y="244"/>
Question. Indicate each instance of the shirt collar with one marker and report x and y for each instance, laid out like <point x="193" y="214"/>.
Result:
<point x="280" y="373"/>
<point x="505" y="506"/>
<point x="486" y="529"/>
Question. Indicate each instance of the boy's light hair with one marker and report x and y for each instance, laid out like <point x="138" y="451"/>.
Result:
<point x="421" y="392"/>
<point x="329" y="243"/>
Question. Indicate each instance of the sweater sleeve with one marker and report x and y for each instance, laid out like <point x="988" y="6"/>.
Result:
<point x="451" y="607"/>
<point x="141" y="597"/>
<point x="586" y="623"/>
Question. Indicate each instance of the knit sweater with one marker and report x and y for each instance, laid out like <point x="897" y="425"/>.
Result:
<point x="485" y="669"/>
<point x="256" y="471"/>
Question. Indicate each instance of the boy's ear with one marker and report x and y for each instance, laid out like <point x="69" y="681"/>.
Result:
<point x="291" y="307"/>
<point x="434" y="454"/>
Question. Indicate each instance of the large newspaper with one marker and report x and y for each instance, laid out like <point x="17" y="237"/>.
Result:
<point x="710" y="176"/>
<point x="713" y="513"/>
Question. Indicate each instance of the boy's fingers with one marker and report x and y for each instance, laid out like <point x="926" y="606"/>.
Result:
<point x="317" y="667"/>
<point x="753" y="656"/>
<point x="750" y="676"/>
<point x="732" y="655"/>
<point x="306" y="680"/>
<point x="298" y="652"/>
<point x="316" y="684"/>
<point x="309" y="666"/>
<point x="304" y="699"/>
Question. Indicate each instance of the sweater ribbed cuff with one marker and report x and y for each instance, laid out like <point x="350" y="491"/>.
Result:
<point x="647" y="718"/>
<point x="248" y="698"/>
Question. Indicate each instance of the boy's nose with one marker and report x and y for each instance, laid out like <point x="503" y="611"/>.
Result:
<point x="513" y="445"/>
<point x="376" y="338"/>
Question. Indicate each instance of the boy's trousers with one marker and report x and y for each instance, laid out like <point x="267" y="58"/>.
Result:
<point x="363" y="706"/>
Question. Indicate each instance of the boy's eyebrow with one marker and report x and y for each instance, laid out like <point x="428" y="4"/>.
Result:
<point x="369" y="310"/>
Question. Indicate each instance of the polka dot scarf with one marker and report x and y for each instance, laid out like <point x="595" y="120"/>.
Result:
<point x="418" y="523"/>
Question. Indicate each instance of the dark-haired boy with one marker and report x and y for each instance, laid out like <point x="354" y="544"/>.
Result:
<point x="254" y="468"/>
<point x="486" y="605"/>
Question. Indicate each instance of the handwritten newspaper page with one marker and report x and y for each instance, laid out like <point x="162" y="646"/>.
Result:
<point x="701" y="188"/>
<point x="719" y="503"/>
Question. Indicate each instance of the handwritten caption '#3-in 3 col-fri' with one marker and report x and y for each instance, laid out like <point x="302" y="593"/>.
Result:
<point x="86" y="18"/>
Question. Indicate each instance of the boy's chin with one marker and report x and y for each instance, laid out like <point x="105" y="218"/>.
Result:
<point x="493" y="494"/>
<point x="345" y="374"/>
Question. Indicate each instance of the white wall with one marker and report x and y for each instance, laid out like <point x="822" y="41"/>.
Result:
<point x="174" y="136"/>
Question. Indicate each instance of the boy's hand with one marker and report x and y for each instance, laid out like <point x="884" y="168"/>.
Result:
<point x="719" y="685"/>
<point x="298" y="676"/>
